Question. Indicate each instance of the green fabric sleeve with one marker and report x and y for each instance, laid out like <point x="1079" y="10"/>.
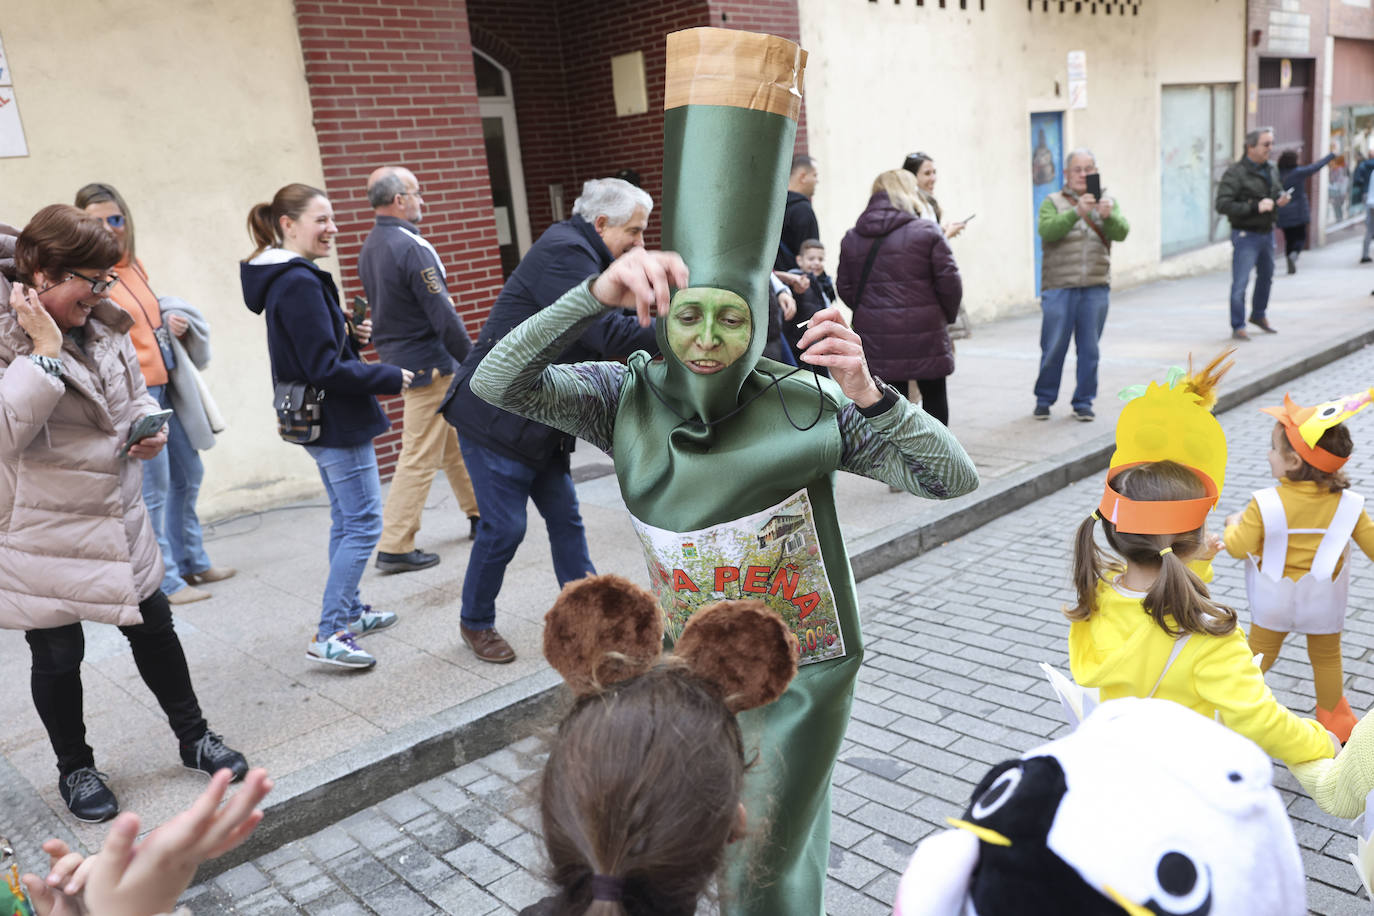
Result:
<point x="905" y="447"/>
<point x="1115" y="226"/>
<point x="1053" y="224"/>
<point x="518" y="374"/>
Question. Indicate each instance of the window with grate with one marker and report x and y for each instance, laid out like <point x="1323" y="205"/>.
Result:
<point x="940" y="4"/>
<point x="1089" y="7"/>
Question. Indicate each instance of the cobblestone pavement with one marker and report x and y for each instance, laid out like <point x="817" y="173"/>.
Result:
<point x="950" y="685"/>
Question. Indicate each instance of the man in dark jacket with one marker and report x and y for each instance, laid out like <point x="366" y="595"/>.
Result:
<point x="1360" y="186"/>
<point x="414" y="326"/>
<point x="511" y="459"/>
<point x="799" y="219"/>
<point x="1249" y="195"/>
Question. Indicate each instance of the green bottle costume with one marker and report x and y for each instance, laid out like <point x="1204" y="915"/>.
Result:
<point x="730" y="476"/>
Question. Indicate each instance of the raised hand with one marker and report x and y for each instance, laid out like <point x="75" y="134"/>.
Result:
<point x="830" y="342"/>
<point x="35" y="320"/>
<point x="642" y="280"/>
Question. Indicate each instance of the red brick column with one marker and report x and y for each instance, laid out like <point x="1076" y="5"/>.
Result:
<point x="393" y="84"/>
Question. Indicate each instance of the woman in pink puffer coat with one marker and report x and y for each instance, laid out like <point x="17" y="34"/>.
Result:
<point x="75" y="540"/>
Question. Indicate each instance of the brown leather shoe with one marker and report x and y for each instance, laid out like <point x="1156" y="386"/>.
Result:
<point x="213" y="574"/>
<point x="487" y="645"/>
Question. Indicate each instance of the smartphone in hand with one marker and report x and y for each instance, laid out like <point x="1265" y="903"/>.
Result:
<point x="1095" y="185"/>
<point x="144" y="427"/>
<point x="359" y="310"/>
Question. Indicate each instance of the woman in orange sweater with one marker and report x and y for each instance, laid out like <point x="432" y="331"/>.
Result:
<point x="171" y="483"/>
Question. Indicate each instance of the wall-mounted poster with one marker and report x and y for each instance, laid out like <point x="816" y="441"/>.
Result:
<point x="12" y="142"/>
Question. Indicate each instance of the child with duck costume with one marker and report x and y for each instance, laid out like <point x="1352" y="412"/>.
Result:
<point x="726" y="460"/>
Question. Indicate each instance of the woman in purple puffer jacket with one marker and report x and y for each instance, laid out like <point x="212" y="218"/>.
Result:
<point x="910" y="296"/>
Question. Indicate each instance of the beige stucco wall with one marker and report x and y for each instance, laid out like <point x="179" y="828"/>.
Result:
<point x="885" y="79"/>
<point x="194" y="111"/>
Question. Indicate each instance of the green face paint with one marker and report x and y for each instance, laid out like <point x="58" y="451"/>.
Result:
<point x="708" y="329"/>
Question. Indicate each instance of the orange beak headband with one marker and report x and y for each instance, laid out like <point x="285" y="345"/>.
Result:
<point x="1169" y="422"/>
<point x="1304" y="426"/>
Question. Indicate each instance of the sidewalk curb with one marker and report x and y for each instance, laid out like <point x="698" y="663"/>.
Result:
<point x="362" y="776"/>
<point x="880" y="550"/>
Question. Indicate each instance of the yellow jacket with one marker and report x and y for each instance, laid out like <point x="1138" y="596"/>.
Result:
<point x="1121" y="651"/>
<point x="1307" y="505"/>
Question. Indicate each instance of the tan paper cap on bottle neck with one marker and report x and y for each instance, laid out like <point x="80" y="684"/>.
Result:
<point x="734" y="68"/>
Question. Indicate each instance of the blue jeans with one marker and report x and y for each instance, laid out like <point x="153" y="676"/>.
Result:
<point x="504" y="487"/>
<point x="1080" y="313"/>
<point x="1250" y="251"/>
<point x="1368" y="231"/>
<point x="355" y="506"/>
<point x="181" y="525"/>
<point x="157" y="482"/>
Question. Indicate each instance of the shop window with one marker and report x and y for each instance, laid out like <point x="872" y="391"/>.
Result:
<point x="1352" y="140"/>
<point x="1197" y="144"/>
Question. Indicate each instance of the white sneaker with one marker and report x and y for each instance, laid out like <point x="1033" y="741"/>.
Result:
<point x="370" y="621"/>
<point x="341" y="650"/>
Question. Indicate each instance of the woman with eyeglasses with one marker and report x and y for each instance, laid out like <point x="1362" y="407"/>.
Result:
<point x="76" y="543"/>
<point x="171" y="481"/>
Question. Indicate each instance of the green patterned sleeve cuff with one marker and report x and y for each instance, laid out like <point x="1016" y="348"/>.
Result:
<point x="905" y="447"/>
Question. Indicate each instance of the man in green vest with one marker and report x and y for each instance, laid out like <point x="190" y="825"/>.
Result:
<point x="1076" y="233"/>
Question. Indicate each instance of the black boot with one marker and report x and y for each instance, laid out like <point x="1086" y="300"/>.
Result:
<point x="1292" y="262"/>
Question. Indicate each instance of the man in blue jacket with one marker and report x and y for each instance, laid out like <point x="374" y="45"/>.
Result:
<point x="414" y="326"/>
<point x="511" y="459"/>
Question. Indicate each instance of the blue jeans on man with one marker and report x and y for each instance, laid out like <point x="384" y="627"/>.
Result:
<point x="355" y="508"/>
<point x="1080" y="313"/>
<point x="1250" y="251"/>
<point x="504" y="487"/>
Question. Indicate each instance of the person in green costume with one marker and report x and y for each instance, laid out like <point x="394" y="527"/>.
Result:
<point x="726" y="460"/>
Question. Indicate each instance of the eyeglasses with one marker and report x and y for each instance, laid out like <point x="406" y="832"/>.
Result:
<point x="115" y="220"/>
<point x="416" y="193"/>
<point x="98" y="285"/>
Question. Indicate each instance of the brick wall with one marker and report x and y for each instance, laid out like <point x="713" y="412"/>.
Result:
<point x="392" y="83"/>
<point x="1346" y="21"/>
<point x="569" y="131"/>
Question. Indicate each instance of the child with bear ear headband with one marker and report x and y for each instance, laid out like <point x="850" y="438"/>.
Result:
<point x="641" y="793"/>
<point x="1145" y="625"/>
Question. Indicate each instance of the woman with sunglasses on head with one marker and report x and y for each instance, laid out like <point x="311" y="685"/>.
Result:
<point x="76" y="543"/>
<point x="171" y="481"/>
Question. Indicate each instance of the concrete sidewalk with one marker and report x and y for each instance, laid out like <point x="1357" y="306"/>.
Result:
<point x="338" y="741"/>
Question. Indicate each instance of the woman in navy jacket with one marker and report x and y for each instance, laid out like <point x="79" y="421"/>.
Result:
<point x="1295" y="215"/>
<point x="309" y="340"/>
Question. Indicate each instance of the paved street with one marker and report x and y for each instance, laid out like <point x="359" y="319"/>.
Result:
<point x="950" y="686"/>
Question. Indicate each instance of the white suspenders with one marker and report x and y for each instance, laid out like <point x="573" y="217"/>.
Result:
<point x="1335" y="536"/>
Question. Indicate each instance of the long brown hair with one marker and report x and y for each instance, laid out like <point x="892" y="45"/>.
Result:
<point x="642" y="786"/>
<point x="61" y="238"/>
<point x="1177" y="592"/>
<point x="1335" y="440"/>
<point x="264" y="220"/>
<point x="98" y="192"/>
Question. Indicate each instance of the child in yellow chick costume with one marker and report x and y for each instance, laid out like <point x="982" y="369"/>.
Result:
<point x="1145" y="625"/>
<point x="1297" y="537"/>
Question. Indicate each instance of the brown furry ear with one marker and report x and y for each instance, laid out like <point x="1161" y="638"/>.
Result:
<point x="742" y="647"/>
<point x="602" y="629"/>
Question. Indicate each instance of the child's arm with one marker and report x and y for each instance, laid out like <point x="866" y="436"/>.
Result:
<point x="1340" y="786"/>
<point x="1245" y="536"/>
<point x="1226" y="676"/>
<point x="1364" y="534"/>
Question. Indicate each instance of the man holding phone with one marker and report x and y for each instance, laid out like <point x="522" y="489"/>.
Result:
<point x="1077" y="225"/>
<point x="1249" y="195"/>
<point x="414" y="326"/>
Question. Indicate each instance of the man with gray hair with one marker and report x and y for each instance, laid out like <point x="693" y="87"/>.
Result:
<point x="1076" y="234"/>
<point x="513" y="460"/>
<point x="414" y="326"/>
<point x="1249" y="195"/>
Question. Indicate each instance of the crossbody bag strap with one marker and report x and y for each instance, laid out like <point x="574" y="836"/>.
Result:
<point x="868" y="268"/>
<point x="1173" y="657"/>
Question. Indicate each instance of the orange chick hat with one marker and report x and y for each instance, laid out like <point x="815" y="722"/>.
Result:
<point x="1169" y="422"/>
<point x="1304" y="426"/>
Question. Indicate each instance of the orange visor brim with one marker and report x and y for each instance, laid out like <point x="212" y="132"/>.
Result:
<point x="1314" y="455"/>
<point x="1165" y="516"/>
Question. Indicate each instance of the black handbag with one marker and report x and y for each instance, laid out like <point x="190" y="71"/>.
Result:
<point x="298" y="411"/>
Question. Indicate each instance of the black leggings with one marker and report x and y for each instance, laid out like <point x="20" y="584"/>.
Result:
<point x="1294" y="238"/>
<point x="933" y="398"/>
<point x="56" y="680"/>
